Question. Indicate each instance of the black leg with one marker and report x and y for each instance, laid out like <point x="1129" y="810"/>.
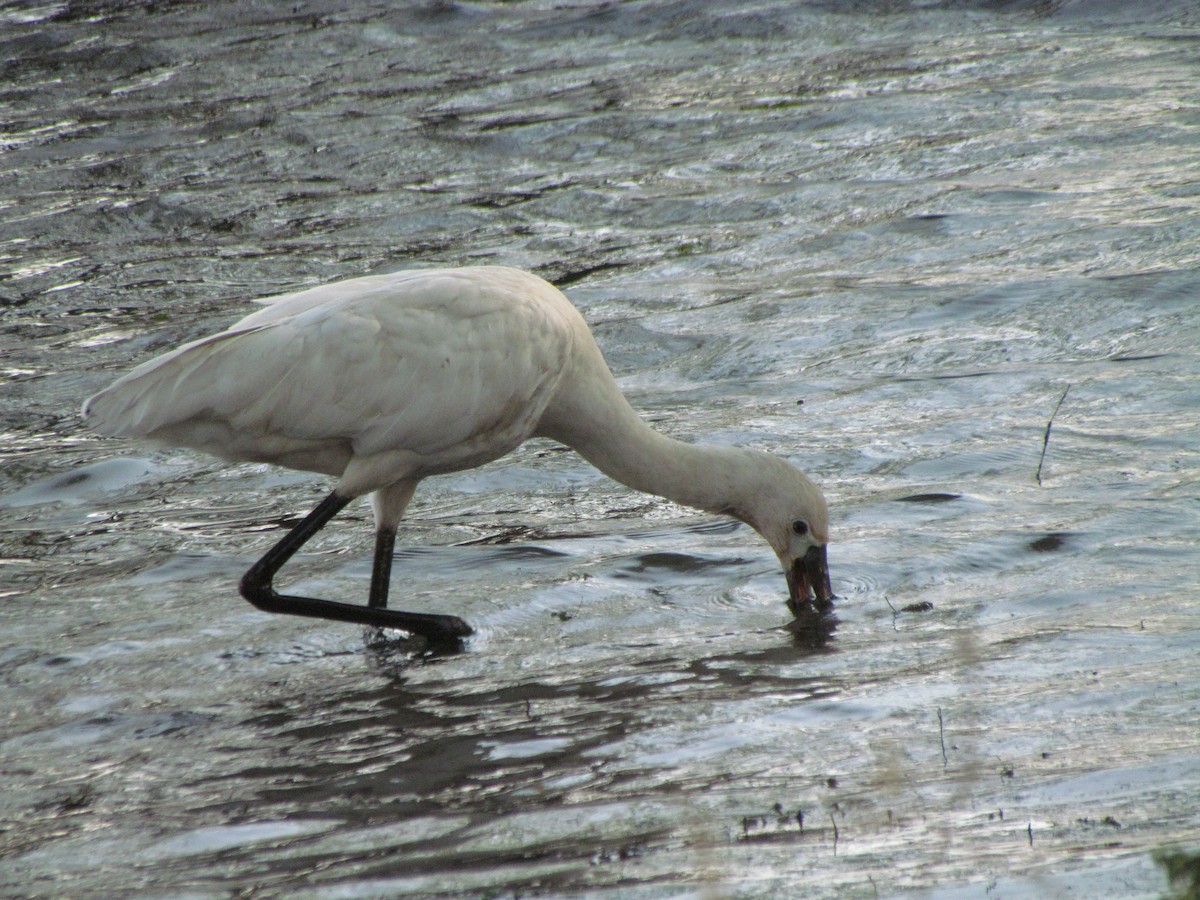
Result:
<point x="381" y="568"/>
<point x="256" y="585"/>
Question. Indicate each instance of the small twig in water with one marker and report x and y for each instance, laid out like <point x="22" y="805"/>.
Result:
<point x="1046" y="437"/>
<point x="835" y="833"/>
<point x="942" y="738"/>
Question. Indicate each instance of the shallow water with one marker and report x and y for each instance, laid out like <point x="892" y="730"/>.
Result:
<point x="891" y="243"/>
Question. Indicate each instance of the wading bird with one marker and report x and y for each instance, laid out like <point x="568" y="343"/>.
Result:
<point x="384" y="380"/>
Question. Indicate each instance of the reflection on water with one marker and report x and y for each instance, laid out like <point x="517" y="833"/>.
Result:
<point x="941" y="257"/>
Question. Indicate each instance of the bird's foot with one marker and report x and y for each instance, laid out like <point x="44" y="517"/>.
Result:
<point x="433" y="627"/>
<point x="438" y="629"/>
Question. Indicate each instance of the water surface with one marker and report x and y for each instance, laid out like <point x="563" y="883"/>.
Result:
<point x="892" y="242"/>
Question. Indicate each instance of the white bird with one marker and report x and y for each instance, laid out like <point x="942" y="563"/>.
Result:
<point x="384" y="380"/>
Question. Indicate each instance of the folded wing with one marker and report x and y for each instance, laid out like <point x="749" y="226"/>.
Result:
<point x="449" y="368"/>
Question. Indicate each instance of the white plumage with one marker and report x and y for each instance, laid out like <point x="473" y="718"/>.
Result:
<point x="445" y="367"/>
<point x="384" y="380"/>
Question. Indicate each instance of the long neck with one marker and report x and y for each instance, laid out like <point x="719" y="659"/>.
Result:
<point x="590" y="414"/>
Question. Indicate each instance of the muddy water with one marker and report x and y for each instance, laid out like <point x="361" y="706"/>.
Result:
<point x="890" y="243"/>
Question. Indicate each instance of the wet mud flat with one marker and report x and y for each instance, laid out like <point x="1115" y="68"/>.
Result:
<point x="942" y="256"/>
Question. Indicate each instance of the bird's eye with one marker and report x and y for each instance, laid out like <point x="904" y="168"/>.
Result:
<point x="800" y="527"/>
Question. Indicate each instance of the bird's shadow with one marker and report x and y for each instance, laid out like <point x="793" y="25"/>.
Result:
<point x="813" y="633"/>
<point x="391" y="652"/>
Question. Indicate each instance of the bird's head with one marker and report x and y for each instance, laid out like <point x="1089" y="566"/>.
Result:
<point x="789" y="511"/>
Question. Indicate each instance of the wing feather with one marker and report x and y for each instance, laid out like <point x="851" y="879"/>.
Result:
<point x="446" y="365"/>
